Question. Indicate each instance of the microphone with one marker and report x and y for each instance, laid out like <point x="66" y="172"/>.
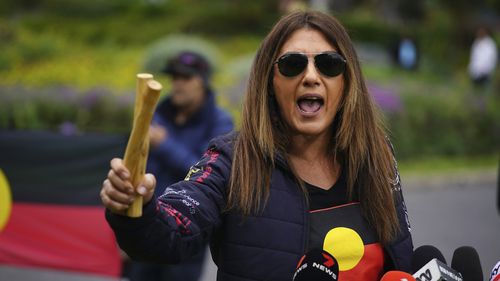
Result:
<point x="423" y="255"/>
<point x="317" y="265"/>
<point x="495" y="273"/>
<point x="466" y="261"/>
<point x="434" y="268"/>
<point x="395" y="275"/>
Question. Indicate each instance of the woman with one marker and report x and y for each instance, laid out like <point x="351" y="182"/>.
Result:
<point x="310" y="168"/>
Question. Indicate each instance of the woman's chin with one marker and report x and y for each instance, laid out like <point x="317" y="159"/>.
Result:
<point x="310" y="129"/>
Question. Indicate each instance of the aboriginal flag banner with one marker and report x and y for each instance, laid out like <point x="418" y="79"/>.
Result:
<point x="50" y="212"/>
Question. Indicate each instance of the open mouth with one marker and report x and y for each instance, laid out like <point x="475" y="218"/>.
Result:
<point x="310" y="103"/>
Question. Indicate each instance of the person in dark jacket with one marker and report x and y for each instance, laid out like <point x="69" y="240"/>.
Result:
<point x="183" y="124"/>
<point x="311" y="167"/>
<point x="185" y="121"/>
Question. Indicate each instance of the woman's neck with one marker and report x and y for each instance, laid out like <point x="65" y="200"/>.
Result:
<point x="312" y="160"/>
<point x="309" y="148"/>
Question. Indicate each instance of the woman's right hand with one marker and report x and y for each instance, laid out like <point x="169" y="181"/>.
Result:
<point x="117" y="192"/>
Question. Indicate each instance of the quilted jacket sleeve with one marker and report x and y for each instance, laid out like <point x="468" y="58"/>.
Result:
<point x="180" y="222"/>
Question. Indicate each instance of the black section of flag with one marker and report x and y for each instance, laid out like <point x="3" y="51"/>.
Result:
<point x="348" y="215"/>
<point x="47" y="167"/>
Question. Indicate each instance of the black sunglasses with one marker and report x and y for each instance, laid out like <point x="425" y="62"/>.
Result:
<point x="328" y="63"/>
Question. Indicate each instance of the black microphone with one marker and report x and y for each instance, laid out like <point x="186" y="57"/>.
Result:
<point x="317" y="265"/>
<point x="423" y="255"/>
<point x="434" y="268"/>
<point x="466" y="261"/>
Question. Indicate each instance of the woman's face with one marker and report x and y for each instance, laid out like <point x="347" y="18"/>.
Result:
<point x="308" y="101"/>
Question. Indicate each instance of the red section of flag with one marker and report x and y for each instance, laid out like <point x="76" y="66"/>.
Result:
<point x="74" y="238"/>
<point x="368" y="267"/>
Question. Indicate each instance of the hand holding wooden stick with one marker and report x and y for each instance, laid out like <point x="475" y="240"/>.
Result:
<point x="136" y="153"/>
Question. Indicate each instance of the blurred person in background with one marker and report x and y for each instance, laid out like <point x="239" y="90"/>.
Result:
<point x="408" y="53"/>
<point x="311" y="164"/>
<point x="183" y="124"/>
<point x="483" y="58"/>
<point x="404" y="52"/>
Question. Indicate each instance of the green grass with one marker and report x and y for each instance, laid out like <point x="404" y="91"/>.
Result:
<point x="449" y="165"/>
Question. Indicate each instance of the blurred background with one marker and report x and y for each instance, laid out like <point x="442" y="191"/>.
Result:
<point x="67" y="74"/>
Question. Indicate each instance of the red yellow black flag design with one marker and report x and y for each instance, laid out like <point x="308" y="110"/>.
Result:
<point x="346" y="235"/>
<point x="50" y="212"/>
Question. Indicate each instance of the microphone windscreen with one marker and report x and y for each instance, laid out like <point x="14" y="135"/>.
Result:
<point x="495" y="272"/>
<point x="395" y="275"/>
<point x="423" y="254"/>
<point x="466" y="261"/>
<point x="317" y="265"/>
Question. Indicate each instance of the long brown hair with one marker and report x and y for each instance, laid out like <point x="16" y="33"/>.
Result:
<point x="359" y="136"/>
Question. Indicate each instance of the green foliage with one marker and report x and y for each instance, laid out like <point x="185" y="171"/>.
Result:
<point x="441" y="116"/>
<point x="94" y="110"/>
<point x="369" y="28"/>
<point x="447" y="124"/>
<point x="136" y="22"/>
<point x="72" y="63"/>
<point x="439" y="129"/>
<point x="233" y="17"/>
<point x="160" y="51"/>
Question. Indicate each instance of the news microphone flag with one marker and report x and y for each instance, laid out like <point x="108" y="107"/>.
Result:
<point x="395" y="275"/>
<point x="435" y="270"/>
<point x="495" y="273"/>
<point x="317" y="265"/>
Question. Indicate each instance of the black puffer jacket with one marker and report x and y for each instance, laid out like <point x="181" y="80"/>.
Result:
<point x="264" y="247"/>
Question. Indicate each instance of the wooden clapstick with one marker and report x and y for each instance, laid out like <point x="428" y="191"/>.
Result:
<point x="141" y="88"/>
<point x="137" y="150"/>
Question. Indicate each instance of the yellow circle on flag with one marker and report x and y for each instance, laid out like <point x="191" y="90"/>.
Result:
<point x="345" y="245"/>
<point x="5" y="201"/>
